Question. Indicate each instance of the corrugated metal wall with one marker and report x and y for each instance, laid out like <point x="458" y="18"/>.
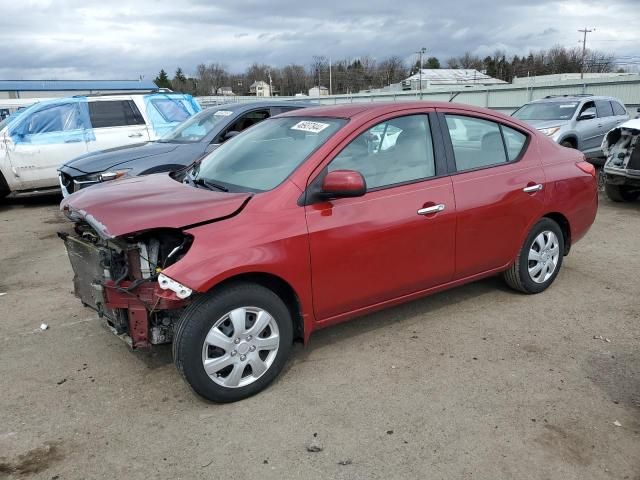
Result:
<point x="500" y="97"/>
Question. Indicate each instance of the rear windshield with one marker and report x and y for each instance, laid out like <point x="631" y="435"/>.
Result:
<point x="263" y="156"/>
<point x="546" y="111"/>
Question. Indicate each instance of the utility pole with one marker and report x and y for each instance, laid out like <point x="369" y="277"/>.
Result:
<point x="421" y="52"/>
<point x="584" y="48"/>
<point x="330" y="80"/>
<point x="270" y="84"/>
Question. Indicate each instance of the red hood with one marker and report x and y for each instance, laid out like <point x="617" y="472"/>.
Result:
<point x="133" y="205"/>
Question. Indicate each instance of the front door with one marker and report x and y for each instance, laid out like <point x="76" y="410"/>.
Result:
<point x="499" y="191"/>
<point x="44" y="140"/>
<point x="395" y="240"/>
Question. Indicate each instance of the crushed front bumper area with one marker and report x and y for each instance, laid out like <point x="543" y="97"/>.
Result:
<point x="107" y="279"/>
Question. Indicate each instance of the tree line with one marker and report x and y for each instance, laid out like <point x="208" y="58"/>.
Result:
<point x="366" y="72"/>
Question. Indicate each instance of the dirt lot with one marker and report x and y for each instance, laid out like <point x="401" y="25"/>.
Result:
<point x="478" y="382"/>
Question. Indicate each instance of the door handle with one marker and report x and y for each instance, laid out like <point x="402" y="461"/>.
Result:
<point x="131" y="135"/>
<point x="533" y="188"/>
<point x="73" y="140"/>
<point x="432" y="209"/>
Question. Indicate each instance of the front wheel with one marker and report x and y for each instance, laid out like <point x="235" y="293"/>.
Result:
<point x="539" y="259"/>
<point x="231" y="344"/>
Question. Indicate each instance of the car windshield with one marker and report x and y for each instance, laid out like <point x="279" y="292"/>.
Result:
<point x="546" y="111"/>
<point x="197" y="127"/>
<point x="264" y="155"/>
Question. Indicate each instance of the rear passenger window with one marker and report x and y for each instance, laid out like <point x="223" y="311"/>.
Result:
<point x="618" y="109"/>
<point x="604" y="109"/>
<point x="396" y="151"/>
<point x="476" y="142"/>
<point x="514" y="141"/>
<point x="117" y="113"/>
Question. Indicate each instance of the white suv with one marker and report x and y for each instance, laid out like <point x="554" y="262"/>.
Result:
<point x="35" y="141"/>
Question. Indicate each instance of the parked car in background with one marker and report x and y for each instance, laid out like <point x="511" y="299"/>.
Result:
<point x="622" y="168"/>
<point x="575" y="121"/>
<point x="317" y="216"/>
<point x="200" y="134"/>
<point x="34" y="142"/>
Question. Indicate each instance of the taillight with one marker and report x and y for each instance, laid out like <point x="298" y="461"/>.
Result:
<point x="586" y="167"/>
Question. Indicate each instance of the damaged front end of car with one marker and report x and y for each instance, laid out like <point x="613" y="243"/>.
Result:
<point x="121" y="279"/>
<point x="622" y="148"/>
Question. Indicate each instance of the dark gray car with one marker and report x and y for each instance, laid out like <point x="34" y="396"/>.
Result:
<point x="191" y="140"/>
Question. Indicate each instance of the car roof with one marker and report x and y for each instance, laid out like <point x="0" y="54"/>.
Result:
<point x="243" y="106"/>
<point x="353" y="110"/>
<point x="573" y="98"/>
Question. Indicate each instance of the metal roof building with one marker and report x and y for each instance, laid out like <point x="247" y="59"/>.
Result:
<point x="449" y="76"/>
<point x="65" y="88"/>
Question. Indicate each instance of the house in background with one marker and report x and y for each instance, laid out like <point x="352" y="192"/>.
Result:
<point x="260" y="89"/>
<point x="225" y="91"/>
<point x="318" y="91"/>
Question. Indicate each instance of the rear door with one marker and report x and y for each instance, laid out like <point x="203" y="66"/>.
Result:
<point x="499" y="189"/>
<point x="606" y="118"/>
<point x="398" y="238"/>
<point x="44" y="140"/>
<point x="116" y="123"/>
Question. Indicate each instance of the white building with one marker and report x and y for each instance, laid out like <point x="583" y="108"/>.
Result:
<point x="318" y="91"/>
<point x="432" y="77"/>
<point x="260" y="89"/>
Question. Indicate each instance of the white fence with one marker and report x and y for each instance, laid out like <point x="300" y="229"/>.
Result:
<point x="499" y="97"/>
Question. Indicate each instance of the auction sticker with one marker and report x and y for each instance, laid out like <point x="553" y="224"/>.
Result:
<point x="311" y="127"/>
<point x="223" y="113"/>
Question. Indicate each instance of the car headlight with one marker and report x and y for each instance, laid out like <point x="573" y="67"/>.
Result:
<point x="112" y="174"/>
<point x="549" y="131"/>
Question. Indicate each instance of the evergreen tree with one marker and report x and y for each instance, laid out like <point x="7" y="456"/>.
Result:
<point x="162" y="80"/>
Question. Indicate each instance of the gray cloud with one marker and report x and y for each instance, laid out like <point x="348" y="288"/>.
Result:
<point x="118" y="39"/>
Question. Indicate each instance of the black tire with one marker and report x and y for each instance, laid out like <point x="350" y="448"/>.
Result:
<point x="517" y="276"/>
<point x="4" y="187"/>
<point x="621" y="193"/>
<point x="199" y="318"/>
<point x="567" y="143"/>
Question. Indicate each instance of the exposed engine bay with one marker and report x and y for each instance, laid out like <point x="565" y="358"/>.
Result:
<point x="622" y="148"/>
<point x="121" y="279"/>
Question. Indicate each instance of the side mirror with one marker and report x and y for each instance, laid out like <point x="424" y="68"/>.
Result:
<point x="588" y="114"/>
<point x="343" y="183"/>
<point x="229" y="135"/>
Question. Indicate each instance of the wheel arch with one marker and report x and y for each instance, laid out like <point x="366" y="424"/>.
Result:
<point x="280" y="287"/>
<point x="565" y="227"/>
<point x="4" y="186"/>
<point x="571" y="138"/>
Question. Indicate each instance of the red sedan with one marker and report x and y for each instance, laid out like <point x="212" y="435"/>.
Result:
<point x="317" y="216"/>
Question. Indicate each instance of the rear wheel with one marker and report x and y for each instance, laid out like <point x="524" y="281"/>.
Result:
<point x="231" y="344"/>
<point x="4" y="187"/>
<point x="621" y="193"/>
<point x="539" y="259"/>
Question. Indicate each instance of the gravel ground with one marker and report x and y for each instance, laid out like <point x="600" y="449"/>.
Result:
<point x="478" y="382"/>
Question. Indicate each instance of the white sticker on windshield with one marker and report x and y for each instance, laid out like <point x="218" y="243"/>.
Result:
<point x="311" y="127"/>
<point x="568" y="105"/>
<point x="223" y="113"/>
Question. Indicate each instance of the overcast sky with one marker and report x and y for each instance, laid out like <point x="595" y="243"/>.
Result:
<point x="114" y="39"/>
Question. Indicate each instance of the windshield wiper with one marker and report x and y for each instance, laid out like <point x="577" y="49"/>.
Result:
<point x="210" y="185"/>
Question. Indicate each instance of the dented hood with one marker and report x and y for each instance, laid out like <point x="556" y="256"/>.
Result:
<point x="123" y="207"/>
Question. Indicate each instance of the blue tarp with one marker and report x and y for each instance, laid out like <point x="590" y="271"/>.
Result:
<point x="166" y="110"/>
<point x="52" y="121"/>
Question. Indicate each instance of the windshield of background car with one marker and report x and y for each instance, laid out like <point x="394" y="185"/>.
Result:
<point x="264" y="155"/>
<point x="546" y="111"/>
<point x="197" y="127"/>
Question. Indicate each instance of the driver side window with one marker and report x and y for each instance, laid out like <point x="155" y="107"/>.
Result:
<point x="245" y="121"/>
<point x="588" y="107"/>
<point x="395" y="151"/>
